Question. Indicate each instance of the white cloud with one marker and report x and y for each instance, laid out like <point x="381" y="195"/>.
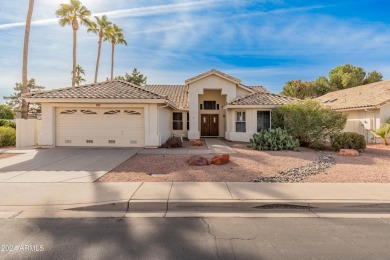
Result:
<point x="131" y="12"/>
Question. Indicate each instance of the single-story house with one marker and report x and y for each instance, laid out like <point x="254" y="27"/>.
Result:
<point x="117" y="113"/>
<point x="367" y="107"/>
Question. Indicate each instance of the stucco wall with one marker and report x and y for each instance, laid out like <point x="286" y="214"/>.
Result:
<point x="362" y="121"/>
<point x="251" y="124"/>
<point x="27" y="132"/>
<point x="384" y="113"/>
<point x="164" y="124"/>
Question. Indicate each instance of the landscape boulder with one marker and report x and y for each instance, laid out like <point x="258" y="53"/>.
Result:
<point x="349" y="152"/>
<point x="197" y="160"/>
<point x="197" y="142"/>
<point x="220" y="159"/>
<point x="172" y="142"/>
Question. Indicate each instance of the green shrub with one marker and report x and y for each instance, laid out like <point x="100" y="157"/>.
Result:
<point x="6" y="112"/>
<point x="348" y="140"/>
<point x="273" y="139"/>
<point x="7" y="136"/>
<point x="5" y="122"/>
<point x="308" y="121"/>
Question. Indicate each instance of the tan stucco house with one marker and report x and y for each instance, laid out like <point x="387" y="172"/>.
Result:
<point x="116" y="113"/>
<point x="367" y="107"/>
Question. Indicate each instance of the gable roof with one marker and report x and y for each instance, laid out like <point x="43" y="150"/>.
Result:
<point x="178" y="94"/>
<point x="103" y="90"/>
<point x="365" y="96"/>
<point x="262" y="98"/>
<point x="213" y="72"/>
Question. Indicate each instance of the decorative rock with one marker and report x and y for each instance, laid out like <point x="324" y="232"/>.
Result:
<point x="220" y="159"/>
<point x="197" y="160"/>
<point x="299" y="174"/>
<point x="349" y="152"/>
<point x="197" y="142"/>
<point x="172" y="142"/>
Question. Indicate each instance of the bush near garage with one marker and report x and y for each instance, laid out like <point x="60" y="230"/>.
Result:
<point x="308" y="121"/>
<point x="7" y="136"/>
<point x="348" y="140"/>
<point x="9" y="123"/>
<point x="273" y="139"/>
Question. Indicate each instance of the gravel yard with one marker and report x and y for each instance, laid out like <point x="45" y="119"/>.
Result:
<point x="247" y="164"/>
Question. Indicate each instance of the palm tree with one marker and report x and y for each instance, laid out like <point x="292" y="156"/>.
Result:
<point x="71" y="14"/>
<point x="24" y="109"/>
<point x="382" y="132"/>
<point x="100" y="28"/>
<point x="114" y="34"/>
<point x="79" y="71"/>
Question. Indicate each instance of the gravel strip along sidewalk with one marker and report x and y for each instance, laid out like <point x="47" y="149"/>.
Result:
<point x="322" y="163"/>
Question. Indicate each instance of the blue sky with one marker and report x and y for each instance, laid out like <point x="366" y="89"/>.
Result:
<point x="258" y="41"/>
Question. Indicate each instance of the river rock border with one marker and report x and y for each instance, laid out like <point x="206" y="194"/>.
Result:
<point x="322" y="163"/>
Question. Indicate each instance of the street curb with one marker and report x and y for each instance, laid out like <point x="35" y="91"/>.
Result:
<point x="242" y="206"/>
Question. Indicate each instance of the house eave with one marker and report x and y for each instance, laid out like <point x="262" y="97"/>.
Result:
<point x="251" y="106"/>
<point x="96" y="100"/>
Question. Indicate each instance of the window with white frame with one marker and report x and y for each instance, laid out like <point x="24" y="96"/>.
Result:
<point x="177" y="120"/>
<point x="263" y="120"/>
<point x="240" y="121"/>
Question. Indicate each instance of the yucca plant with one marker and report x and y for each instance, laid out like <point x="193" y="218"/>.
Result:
<point x="382" y="132"/>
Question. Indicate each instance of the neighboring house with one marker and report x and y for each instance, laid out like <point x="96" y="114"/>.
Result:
<point x="367" y="107"/>
<point x="116" y="113"/>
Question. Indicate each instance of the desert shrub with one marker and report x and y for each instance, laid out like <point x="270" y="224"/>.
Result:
<point x="273" y="139"/>
<point x="172" y="142"/>
<point x="6" y="112"/>
<point x="308" y="121"/>
<point x="5" y="122"/>
<point x="7" y="136"/>
<point x="348" y="140"/>
<point x="382" y="132"/>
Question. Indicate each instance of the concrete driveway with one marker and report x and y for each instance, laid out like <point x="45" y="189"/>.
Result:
<point x="62" y="164"/>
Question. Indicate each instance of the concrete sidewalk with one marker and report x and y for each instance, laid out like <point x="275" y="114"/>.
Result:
<point x="191" y="199"/>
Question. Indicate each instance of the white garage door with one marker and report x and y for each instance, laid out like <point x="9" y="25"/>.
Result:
<point x="124" y="127"/>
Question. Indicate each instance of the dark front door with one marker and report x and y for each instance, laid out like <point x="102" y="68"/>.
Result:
<point x="209" y="125"/>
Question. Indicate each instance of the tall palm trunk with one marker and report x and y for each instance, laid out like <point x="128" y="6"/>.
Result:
<point x="75" y="26"/>
<point x="24" y="109"/>
<point x="112" y="60"/>
<point x="98" y="57"/>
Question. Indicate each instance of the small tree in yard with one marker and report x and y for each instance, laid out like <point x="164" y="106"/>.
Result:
<point x="15" y="100"/>
<point x="382" y="132"/>
<point x="308" y="121"/>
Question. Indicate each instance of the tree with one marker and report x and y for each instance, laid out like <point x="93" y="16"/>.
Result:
<point x="341" y="77"/>
<point x="321" y="86"/>
<point x="296" y="88"/>
<point x="346" y="76"/>
<point x="6" y="112"/>
<point x="308" y="121"/>
<point x="373" y="77"/>
<point x="15" y="100"/>
<point x="114" y="34"/>
<point x="24" y="107"/>
<point x="79" y="71"/>
<point x="136" y="77"/>
<point x="73" y="14"/>
<point x="100" y="28"/>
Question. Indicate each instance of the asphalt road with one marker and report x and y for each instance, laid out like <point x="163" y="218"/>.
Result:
<point x="195" y="238"/>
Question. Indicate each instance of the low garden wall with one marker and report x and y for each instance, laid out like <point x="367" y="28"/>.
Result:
<point x="27" y="132"/>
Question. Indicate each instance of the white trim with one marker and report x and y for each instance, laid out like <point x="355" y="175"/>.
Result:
<point x="93" y="100"/>
<point x="246" y="88"/>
